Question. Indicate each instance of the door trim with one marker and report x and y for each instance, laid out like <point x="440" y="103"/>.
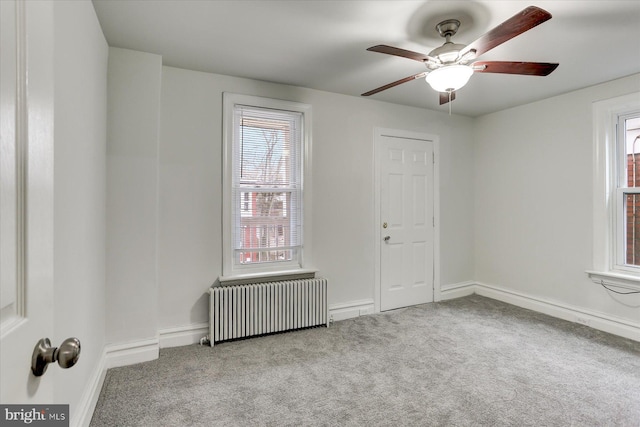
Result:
<point x="397" y="133"/>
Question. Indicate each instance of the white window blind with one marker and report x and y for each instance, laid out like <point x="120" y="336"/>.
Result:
<point x="266" y="185"/>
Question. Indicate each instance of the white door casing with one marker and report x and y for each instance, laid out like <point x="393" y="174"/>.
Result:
<point x="405" y="223"/>
<point x="27" y="196"/>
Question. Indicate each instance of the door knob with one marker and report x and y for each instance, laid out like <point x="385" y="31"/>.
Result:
<point x="66" y="355"/>
<point x="386" y="238"/>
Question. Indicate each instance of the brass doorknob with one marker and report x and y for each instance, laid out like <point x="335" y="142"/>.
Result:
<point x="66" y="355"/>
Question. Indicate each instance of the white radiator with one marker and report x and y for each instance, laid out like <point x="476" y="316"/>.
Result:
<point x="263" y="308"/>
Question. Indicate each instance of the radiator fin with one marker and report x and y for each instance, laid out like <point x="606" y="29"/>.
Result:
<point x="264" y="308"/>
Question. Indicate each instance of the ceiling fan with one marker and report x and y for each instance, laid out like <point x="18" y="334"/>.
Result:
<point x="450" y="66"/>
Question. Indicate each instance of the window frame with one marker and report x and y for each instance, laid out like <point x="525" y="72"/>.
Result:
<point x="609" y="265"/>
<point x="232" y="271"/>
<point x="622" y="190"/>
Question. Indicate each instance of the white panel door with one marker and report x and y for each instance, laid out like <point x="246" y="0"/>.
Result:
<point x="407" y="229"/>
<point x="26" y="197"/>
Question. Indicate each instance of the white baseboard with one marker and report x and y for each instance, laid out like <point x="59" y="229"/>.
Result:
<point x="351" y="309"/>
<point x="132" y="353"/>
<point x="84" y="412"/>
<point x="115" y="355"/>
<point x="183" y="335"/>
<point x="457" y="290"/>
<point x="593" y="319"/>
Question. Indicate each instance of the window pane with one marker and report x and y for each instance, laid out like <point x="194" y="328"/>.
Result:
<point x="632" y="216"/>
<point x="265" y="228"/>
<point x="632" y="151"/>
<point x="632" y="200"/>
<point x="265" y="153"/>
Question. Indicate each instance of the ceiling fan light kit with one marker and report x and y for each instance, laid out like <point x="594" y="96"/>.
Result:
<point x="449" y="78"/>
<point x="450" y="66"/>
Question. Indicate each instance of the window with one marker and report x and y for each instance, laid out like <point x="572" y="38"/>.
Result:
<point x="616" y="247"/>
<point x="266" y="145"/>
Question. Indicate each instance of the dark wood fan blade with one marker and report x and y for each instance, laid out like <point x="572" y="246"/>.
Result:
<point x="396" y="83"/>
<point x="446" y="97"/>
<point x="511" y="67"/>
<point x="396" y="51"/>
<point x="512" y="27"/>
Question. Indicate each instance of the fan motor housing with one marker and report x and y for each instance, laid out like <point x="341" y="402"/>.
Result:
<point x="448" y="52"/>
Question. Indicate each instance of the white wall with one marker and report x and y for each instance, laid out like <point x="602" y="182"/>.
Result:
<point x="515" y="191"/>
<point x="134" y="80"/>
<point x="189" y="245"/>
<point x="533" y="200"/>
<point x="80" y="73"/>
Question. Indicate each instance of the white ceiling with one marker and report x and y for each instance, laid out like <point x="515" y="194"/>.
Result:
<point x="322" y="44"/>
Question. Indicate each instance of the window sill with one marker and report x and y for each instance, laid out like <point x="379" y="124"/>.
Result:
<point x="621" y="280"/>
<point x="245" y="279"/>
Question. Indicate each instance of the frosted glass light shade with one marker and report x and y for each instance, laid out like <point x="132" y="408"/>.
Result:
<point x="449" y="78"/>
